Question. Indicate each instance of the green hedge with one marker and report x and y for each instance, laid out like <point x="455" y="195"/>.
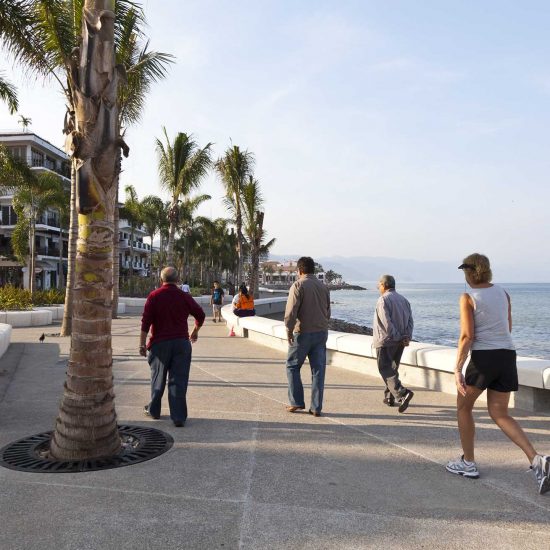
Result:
<point x="13" y="298"/>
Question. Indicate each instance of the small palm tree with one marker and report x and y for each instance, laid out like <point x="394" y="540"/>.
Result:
<point x="25" y="122"/>
<point x="234" y="168"/>
<point x="182" y="165"/>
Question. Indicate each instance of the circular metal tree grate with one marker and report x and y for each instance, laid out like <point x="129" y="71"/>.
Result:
<point x="31" y="453"/>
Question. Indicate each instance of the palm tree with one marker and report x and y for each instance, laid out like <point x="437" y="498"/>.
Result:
<point x="25" y="122"/>
<point x="152" y="209"/>
<point x="233" y="169"/>
<point x="41" y="191"/>
<point x="253" y="229"/>
<point x="142" y="69"/>
<point x="86" y="426"/>
<point x="73" y="42"/>
<point x="181" y="165"/>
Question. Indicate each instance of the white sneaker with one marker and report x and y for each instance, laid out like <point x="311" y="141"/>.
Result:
<point x="462" y="468"/>
<point x="541" y="470"/>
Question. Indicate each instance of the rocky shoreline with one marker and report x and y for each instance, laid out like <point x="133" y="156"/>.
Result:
<point x="345" y="286"/>
<point x="352" y="328"/>
<point x="334" y="324"/>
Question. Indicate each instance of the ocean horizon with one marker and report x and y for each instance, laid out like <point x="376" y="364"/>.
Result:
<point x="436" y="313"/>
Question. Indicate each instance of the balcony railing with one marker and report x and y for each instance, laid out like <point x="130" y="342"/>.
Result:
<point x="50" y="251"/>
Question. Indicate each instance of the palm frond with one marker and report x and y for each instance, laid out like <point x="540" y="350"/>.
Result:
<point x="8" y="94"/>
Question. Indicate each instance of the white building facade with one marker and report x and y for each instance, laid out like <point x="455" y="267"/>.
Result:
<point x="51" y="242"/>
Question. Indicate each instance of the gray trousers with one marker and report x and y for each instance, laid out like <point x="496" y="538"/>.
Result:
<point x="388" y="359"/>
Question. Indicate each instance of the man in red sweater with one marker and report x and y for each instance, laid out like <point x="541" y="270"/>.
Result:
<point x="165" y="313"/>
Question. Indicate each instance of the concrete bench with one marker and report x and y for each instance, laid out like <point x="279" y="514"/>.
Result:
<point x="5" y="337"/>
<point x="30" y="318"/>
<point x="423" y="364"/>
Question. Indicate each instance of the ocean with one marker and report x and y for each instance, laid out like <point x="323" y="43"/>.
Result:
<point x="436" y="315"/>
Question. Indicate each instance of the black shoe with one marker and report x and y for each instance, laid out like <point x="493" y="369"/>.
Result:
<point x="405" y="400"/>
<point x="389" y="401"/>
<point x="179" y="423"/>
<point x="314" y="413"/>
<point x="147" y="413"/>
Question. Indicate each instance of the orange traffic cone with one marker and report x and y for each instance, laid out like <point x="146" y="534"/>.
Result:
<point x="231" y="332"/>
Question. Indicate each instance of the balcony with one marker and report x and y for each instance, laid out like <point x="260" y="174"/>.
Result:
<point x="51" y="251"/>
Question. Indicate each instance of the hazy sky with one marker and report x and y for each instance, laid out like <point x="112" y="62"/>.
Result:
<point x="411" y="129"/>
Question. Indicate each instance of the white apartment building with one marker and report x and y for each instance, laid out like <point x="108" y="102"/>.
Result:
<point x="40" y="155"/>
<point x="141" y="250"/>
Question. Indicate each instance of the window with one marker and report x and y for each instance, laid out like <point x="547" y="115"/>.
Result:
<point x="37" y="158"/>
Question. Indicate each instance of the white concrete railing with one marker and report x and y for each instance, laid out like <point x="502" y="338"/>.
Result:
<point x="5" y="338"/>
<point x="425" y="365"/>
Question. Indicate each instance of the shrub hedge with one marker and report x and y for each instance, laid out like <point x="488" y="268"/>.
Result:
<point x="13" y="298"/>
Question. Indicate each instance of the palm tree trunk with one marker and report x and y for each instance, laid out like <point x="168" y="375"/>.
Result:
<point x="116" y="261"/>
<point x="86" y="427"/>
<point x="170" y="247"/>
<point x="61" y="278"/>
<point x="71" y="258"/>
<point x="239" y="245"/>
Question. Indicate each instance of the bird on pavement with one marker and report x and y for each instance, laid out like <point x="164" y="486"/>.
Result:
<point x="42" y="338"/>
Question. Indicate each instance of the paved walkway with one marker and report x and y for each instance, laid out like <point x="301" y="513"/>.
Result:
<point x="243" y="473"/>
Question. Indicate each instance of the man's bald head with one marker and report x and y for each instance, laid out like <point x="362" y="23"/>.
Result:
<point x="169" y="275"/>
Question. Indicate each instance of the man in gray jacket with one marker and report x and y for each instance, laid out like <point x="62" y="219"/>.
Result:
<point x="306" y="320"/>
<point x="392" y="331"/>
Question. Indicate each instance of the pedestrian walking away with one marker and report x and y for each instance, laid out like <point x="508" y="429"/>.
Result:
<point x="485" y="335"/>
<point x="307" y="315"/>
<point x="185" y="287"/>
<point x="216" y="301"/>
<point x="169" y="348"/>
<point x="392" y="332"/>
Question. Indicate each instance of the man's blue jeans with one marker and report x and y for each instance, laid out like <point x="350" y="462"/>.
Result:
<point x="170" y="359"/>
<point x="312" y="345"/>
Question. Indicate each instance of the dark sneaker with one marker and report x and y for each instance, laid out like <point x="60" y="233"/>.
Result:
<point x="389" y="401"/>
<point x="462" y="468"/>
<point x="404" y="401"/>
<point x="314" y="413"/>
<point x="147" y="413"/>
<point x="541" y="470"/>
<point x="179" y="423"/>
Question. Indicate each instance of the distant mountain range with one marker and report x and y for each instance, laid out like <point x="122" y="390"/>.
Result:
<point x="366" y="268"/>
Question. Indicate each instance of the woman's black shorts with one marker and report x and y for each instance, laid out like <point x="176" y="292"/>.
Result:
<point x="494" y="369"/>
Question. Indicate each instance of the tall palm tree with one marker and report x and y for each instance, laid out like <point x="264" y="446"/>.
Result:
<point x="44" y="35"/>
<point x="234" y="168"/>
<point x="254" y="230"/>
<point x="86" y="426"/>
<point x="142" y="69"/>
<point x="152" y="209"/>
<point x="181" y="165"/>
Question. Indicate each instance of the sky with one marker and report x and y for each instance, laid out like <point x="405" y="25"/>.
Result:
<point x="404" y="129"/>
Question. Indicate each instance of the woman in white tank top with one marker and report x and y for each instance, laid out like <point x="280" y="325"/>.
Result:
<point x="485" y="335"/>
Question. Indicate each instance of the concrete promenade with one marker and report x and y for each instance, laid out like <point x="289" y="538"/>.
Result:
<point x="244" y="473"/>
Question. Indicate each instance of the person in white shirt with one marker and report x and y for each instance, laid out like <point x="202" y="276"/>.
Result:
<point x="485" y="327"/>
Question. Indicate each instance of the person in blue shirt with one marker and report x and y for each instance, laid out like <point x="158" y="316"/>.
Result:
<point x="216" y="300"/>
